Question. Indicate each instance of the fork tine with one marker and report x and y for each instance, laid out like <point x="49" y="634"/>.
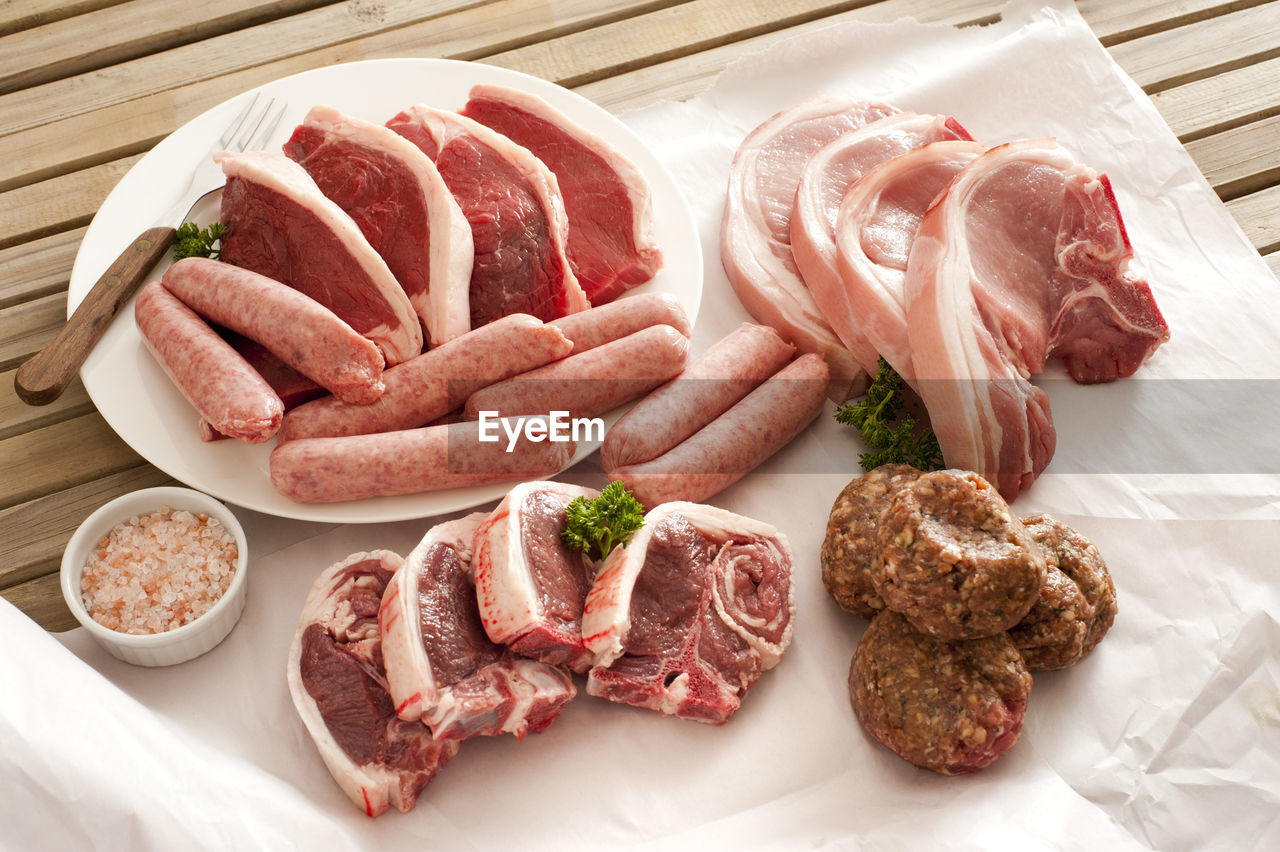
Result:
<point x="251" y="127"/>
<point x="234" y="127"/>
<point x="266" y="128"/>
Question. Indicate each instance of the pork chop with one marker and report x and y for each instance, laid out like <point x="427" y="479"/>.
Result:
<point x="826" y="178"/>
<point x="1024" y="257"/>
<point x="875" y="225"/>
<point x="755" y="232"/>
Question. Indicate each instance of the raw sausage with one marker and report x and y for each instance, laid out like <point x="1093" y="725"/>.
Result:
<point x="409" y="461"/>
<point x="213" y="377"/>
<point x="716" y="379"/>
<point x="612" y="320"/>
<point x="292" y="387"/>
<point x="296" y="328"/>
<point x="737" y="441"/>
<point x="436" y="382"/>
<point x="592" y="382"/>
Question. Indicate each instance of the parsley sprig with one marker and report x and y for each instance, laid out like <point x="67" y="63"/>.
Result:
<point x="194" y="241"/>
<point x="891" y="434"/>
<point x="598" y="525"/>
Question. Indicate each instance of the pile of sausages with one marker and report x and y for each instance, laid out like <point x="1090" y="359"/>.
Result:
<point x="735" y="406"/>
<point x="413" y="427"/>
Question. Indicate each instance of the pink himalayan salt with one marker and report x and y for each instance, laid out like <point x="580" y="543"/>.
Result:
<point x="153" y="573"/>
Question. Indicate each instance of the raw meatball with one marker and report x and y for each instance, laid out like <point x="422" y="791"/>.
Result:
<point x="1077" y="602"/>
<point x="949" y="706"/>
<point x="851" y="537"/>
<point x="954" y="559"/>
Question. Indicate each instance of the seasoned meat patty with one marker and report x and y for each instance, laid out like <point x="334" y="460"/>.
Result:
<point x="949" y="706"/>
<point x="954" y="559"/>
<point x="850" y="544"/>
<point x="1077" y="603"/>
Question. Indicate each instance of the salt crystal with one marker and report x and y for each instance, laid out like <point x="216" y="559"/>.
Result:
<point x="157" y="572"/>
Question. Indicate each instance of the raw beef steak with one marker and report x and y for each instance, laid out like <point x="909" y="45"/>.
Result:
<point x="441" y="668"/>
<point x="755" y="233"/>
<point x="531" y="586"/>
<point x="339" y="689"/>
<point x="280" y="225"/>
<point x="687" y="616"/>
<point x="394" y="193"/>
<point x="517" y="216"/>
<point x="611" y="245"/>
<point x="1024" y="257"/>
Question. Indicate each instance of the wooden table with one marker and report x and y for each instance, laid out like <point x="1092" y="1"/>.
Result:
<point x="88" y="86"/>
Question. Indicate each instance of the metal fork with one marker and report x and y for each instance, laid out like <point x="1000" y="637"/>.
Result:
<point x="44" y="376"/>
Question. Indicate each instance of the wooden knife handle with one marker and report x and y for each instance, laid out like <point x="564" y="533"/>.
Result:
<point x="44" y="377"/>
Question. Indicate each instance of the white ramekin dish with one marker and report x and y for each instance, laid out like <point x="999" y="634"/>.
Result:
<point x="182" y="643"/>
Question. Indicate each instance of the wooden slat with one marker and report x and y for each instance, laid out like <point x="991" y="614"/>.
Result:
<point x="1259" y="216"/>
<point x="114" y="34"/>
<point x="17" y="417"/>
<point x="1241" y="160"/>
<point x="1273" y="261"/>
<point x="695" y="31"/>
<point x="27" y="327"/>
<point x="47" y="522"/>
<point x="37" y="268"/>
<point x="41" y="600"/>
<point x="681" y="78"/>
<point x="25" y="14"/>
<point x="76" y="136"/>
<point x="1222" y="102"/>
<point x="297" y="34"/>
<point x="1116" y="22"/>
<point x="58" y="204"/>
<point x="202" y="60"/>
<point x="61" y="456"/>
<point x="585" y="56"/>
<point x="1174" y="57"/>
<point x="353" y="29"/>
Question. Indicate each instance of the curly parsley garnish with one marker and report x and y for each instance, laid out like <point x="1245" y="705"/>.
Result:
<point x="598" y="525"/>
<point x="891" y="434"/>
<point x="194" y="241"/>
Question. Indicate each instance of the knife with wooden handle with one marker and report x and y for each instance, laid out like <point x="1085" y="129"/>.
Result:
<point x="44" y="377"/>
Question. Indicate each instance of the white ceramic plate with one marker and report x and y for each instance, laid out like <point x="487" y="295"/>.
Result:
<point x="138" y="400"/>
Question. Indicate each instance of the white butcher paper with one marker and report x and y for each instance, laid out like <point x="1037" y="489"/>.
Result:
<point x="1166" y="737"/>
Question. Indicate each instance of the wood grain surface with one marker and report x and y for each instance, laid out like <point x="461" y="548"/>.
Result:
<point x="87" y="87"/>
